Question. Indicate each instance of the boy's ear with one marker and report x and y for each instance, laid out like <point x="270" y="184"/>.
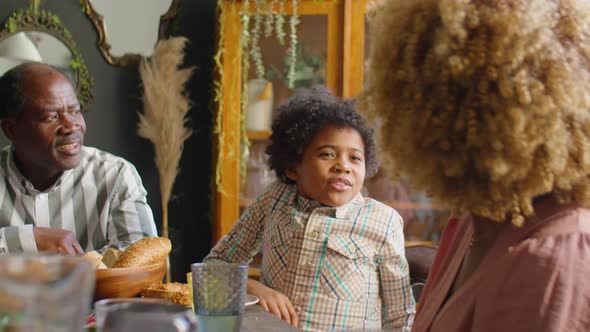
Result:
<point x="291" y="173"/>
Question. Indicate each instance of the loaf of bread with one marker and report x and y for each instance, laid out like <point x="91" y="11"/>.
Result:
<point x="174" y="292"/>
<point x="144" y="252"/>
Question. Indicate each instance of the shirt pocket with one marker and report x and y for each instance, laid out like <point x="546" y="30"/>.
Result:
<point x="279" y="234"/>
<point x="348" y="269"/>
<point x="276" y="247"/>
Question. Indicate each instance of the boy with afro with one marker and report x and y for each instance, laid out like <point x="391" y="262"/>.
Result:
<point x="332" y="259"/>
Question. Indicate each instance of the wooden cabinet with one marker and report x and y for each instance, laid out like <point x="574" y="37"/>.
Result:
<point x="334" y="30"/>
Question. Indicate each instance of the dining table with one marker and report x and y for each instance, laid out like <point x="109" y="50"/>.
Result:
<point x="256" y="319"/>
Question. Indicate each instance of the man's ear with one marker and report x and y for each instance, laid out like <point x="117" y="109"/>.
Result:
<point x="8" y="127"/>
<point x="291" y="173"/>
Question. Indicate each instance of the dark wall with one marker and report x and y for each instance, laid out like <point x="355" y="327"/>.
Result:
<point x="112" y="120"/>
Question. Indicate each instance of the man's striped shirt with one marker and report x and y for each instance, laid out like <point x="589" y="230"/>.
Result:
<point x="102" y="201"/>
<point x="342" y="268"/>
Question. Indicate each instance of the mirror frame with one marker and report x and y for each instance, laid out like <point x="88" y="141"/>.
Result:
<point x="103" y="44"/>
<point x="40" y="20"/>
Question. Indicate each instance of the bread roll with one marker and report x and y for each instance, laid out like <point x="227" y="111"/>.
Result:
<point x="94" y="258"/>
<point x="110" y="257"/>
<point x="174" y="292"/>
<point x="144" y="252"/>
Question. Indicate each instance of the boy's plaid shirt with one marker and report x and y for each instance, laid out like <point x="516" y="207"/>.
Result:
<point x="341" y="267"/>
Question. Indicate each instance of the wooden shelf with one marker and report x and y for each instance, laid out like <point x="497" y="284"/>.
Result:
<point x="259" y="135"/>
<point x="419" y="243"/>
<point x="416" y="205"/>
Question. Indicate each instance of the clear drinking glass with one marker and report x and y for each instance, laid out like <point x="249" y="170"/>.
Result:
<point x="44" y="292"/>
<point x="143" y="314"/>
<point x="219" y="293"/>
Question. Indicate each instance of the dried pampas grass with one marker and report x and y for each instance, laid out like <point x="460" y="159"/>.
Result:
<point x="164" y="115"/>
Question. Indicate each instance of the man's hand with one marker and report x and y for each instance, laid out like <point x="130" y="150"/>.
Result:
<point x="274" y="302"/>
<point x="56" y="241"/>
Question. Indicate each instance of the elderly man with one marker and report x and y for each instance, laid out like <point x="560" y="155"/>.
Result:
<point x="57" y="195"/>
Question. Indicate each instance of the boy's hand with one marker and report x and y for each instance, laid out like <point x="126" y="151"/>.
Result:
<point x="274" y="302"/>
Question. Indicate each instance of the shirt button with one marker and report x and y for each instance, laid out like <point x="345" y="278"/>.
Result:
<point x="352" y="250"/>
<point x="306" y="266"/>
<point x="314" y="235"/>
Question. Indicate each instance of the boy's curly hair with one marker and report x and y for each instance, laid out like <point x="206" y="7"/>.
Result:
<point x="485" y="104"/>
<point x="302" y="117"/>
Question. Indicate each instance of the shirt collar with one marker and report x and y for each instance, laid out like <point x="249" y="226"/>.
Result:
<point x="305" y="204"/>
<point x="18" y="178"/>
<point x="345" y="211"/>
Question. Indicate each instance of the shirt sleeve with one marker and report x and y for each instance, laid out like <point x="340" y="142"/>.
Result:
<point x="542" y="286"/>
<point x="130" y="217"/>
<point x="396" y="294"/>
<point x="17" y="239"/>
<point x="245" y="237"/>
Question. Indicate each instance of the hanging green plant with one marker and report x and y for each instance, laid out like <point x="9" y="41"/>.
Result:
<point x="33" y="19"/>
<point x="294" y="22"/>
<point x="268" y="18"/>
<point x="250" y="35"/>
<point x="265" y="17"/>
<point x="280" y="22"/>
<point x="255" y="51"/>
<point x="310" y="69"/>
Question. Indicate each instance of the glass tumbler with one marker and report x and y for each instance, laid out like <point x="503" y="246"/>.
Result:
<point x="143" y="314"/>
<point x="219" y="293"/>
<point x="44" y="292"/>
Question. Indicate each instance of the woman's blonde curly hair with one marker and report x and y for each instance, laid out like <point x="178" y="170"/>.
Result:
<point x="484" y="104"/>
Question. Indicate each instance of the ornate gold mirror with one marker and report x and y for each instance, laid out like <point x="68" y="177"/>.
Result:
<point x="38" y="35"/>
<point x="128" y="30"/>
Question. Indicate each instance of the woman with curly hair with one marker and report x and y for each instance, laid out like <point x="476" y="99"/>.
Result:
<point x="332" y="260"/>
<point x="486" y="106"/>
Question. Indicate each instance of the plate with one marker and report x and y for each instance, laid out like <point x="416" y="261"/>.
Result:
<point x="251" y="299"/>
